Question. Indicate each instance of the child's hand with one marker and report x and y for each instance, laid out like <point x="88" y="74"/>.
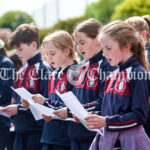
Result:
<point x="11" y="110"/>
<point x="38" y="98"/>
<point x="61" y="113"/>
<point x="25" y="104"/>
<point x="47" y="118"/>
<point x="95" y="121"/>
<point x="76" y="119"/>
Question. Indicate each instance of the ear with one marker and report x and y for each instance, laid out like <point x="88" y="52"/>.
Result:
<point x="97" y="42"/>
<point x="128" y="46"/>
<point x="67" y="51"/>
<point x="34" y="44"/>
<point x="144" y="34"/>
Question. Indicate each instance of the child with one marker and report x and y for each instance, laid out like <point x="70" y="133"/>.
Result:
<point x="125" y="103"/>
<point x="33" y="77"/>
<point x="60" y="51"/>
<point x="6" y="80"/>
<point x="90" y="90"/>
<point x="142" y="26"/>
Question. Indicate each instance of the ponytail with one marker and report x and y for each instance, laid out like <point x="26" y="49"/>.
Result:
<point x="139" y="52"/>
<point x="147" y="19"/>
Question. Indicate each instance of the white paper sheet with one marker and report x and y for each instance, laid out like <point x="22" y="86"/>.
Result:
<point x="76" y="108"/>
<point x="36" y="109"/>
<point x="24" y="94"/>
<point x="3" y="113"/>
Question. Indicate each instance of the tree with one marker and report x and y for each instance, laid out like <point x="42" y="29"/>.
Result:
<point x="13" y="19"/>
<point x="131" y="8"/>
<point x="102" y="10"/>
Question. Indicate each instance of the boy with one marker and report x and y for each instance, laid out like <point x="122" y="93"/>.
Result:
<point x="33" y="77"/>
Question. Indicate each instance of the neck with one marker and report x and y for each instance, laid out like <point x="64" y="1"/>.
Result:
<point x="126" y="57"/>
<point x="68" y="62"/>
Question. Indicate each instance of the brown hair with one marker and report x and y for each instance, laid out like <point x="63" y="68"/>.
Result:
<point x="25" y="33"/>
<point x="3" y="51"/>
<point x="90" y="27"/>
<point x="61" y="40"/>
<point x="140" y="24"/>
<point x="124" y="33"/>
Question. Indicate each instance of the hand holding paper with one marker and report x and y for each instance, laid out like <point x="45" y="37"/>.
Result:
<point x="76" y="108"/>
<point x="2" y="112"/>
<point x="36" y="109"/>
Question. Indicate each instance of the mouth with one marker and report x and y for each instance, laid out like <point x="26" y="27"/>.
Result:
<point x="52" y="63"/>
<point x="20" y="58"/>
<point x="109" y="60"/>
<point x="82" y="53"/>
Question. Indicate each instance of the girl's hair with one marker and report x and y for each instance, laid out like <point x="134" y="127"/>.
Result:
<point x="2" y="48"/>
<point x="124" y="33"/>
<point x="140" y="24"/>
<point x="62" y="40"/>
<point x="90" y="27"/>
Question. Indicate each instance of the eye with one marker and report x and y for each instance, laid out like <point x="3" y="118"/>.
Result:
<point x="82" y="43"/>
<point x="52" y="54"/>
<point x="19" y="49"/>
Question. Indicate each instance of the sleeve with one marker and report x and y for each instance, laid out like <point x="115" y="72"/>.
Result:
<point x="55" y="106"/>
<point x="138" y="112"/>
<point x="6" y="81"/>
<point x="95" y="105"/>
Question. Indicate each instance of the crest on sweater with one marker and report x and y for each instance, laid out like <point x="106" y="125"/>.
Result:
<point x="121" y="86"/>
<point x="62" y="87"/>
<point x="31" y="83"/>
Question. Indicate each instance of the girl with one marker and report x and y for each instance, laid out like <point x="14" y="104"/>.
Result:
<point x="90" y="89"/>
<point x="60" y="51"/>
<point x="142" y="26"/>
<point x="125" y="103"/>
<point x="6" y="80"/>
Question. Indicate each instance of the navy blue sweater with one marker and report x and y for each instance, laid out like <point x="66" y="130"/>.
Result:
<point x="90" y="92"/>
<point x="6" y="80"/>
<point x="34" y="78"/>
<point x="56" y="131"/>
<point x="125" y="103"/>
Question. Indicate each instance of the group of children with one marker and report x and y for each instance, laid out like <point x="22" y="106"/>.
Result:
<point x="112" y="83"/>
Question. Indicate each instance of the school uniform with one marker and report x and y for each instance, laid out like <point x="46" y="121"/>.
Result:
<point x="147" y="124"/>
<point x="90" y="92"/>
<point x="55" y="132"/>
<point x="33" y="77"/>
<point x="125" y="106"/>
<point x="6" y="81"/>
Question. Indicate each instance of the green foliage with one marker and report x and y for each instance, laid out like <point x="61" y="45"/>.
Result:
<point x="131" y="8"/>
<point x="13" y="19"/>
<point x="67" y="25"/>
<point x="102" y="10"/>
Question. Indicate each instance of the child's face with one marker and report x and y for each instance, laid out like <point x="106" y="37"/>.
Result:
<point x="24" y="52"/>
<point x="56" y="56"/>
<point x="86" y="46"/>
<point x="112" y="51"/>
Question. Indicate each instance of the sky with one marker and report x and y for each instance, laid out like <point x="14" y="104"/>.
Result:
<point x="67" y="9"/>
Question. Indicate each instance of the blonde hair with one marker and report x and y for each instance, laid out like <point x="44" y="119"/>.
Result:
<point x="140" y="24"/>
<point x="62" y="40"/>
<point x="124" y="33"/>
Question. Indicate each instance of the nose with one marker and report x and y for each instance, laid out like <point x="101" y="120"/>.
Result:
<point x="17" y="52"/>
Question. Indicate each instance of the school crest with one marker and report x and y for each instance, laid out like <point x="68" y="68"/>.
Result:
<point x="92" y="82"/>
<point x="120" y="86"/>
<point x="62" y="87"/>
<point x="31" y="83"/>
